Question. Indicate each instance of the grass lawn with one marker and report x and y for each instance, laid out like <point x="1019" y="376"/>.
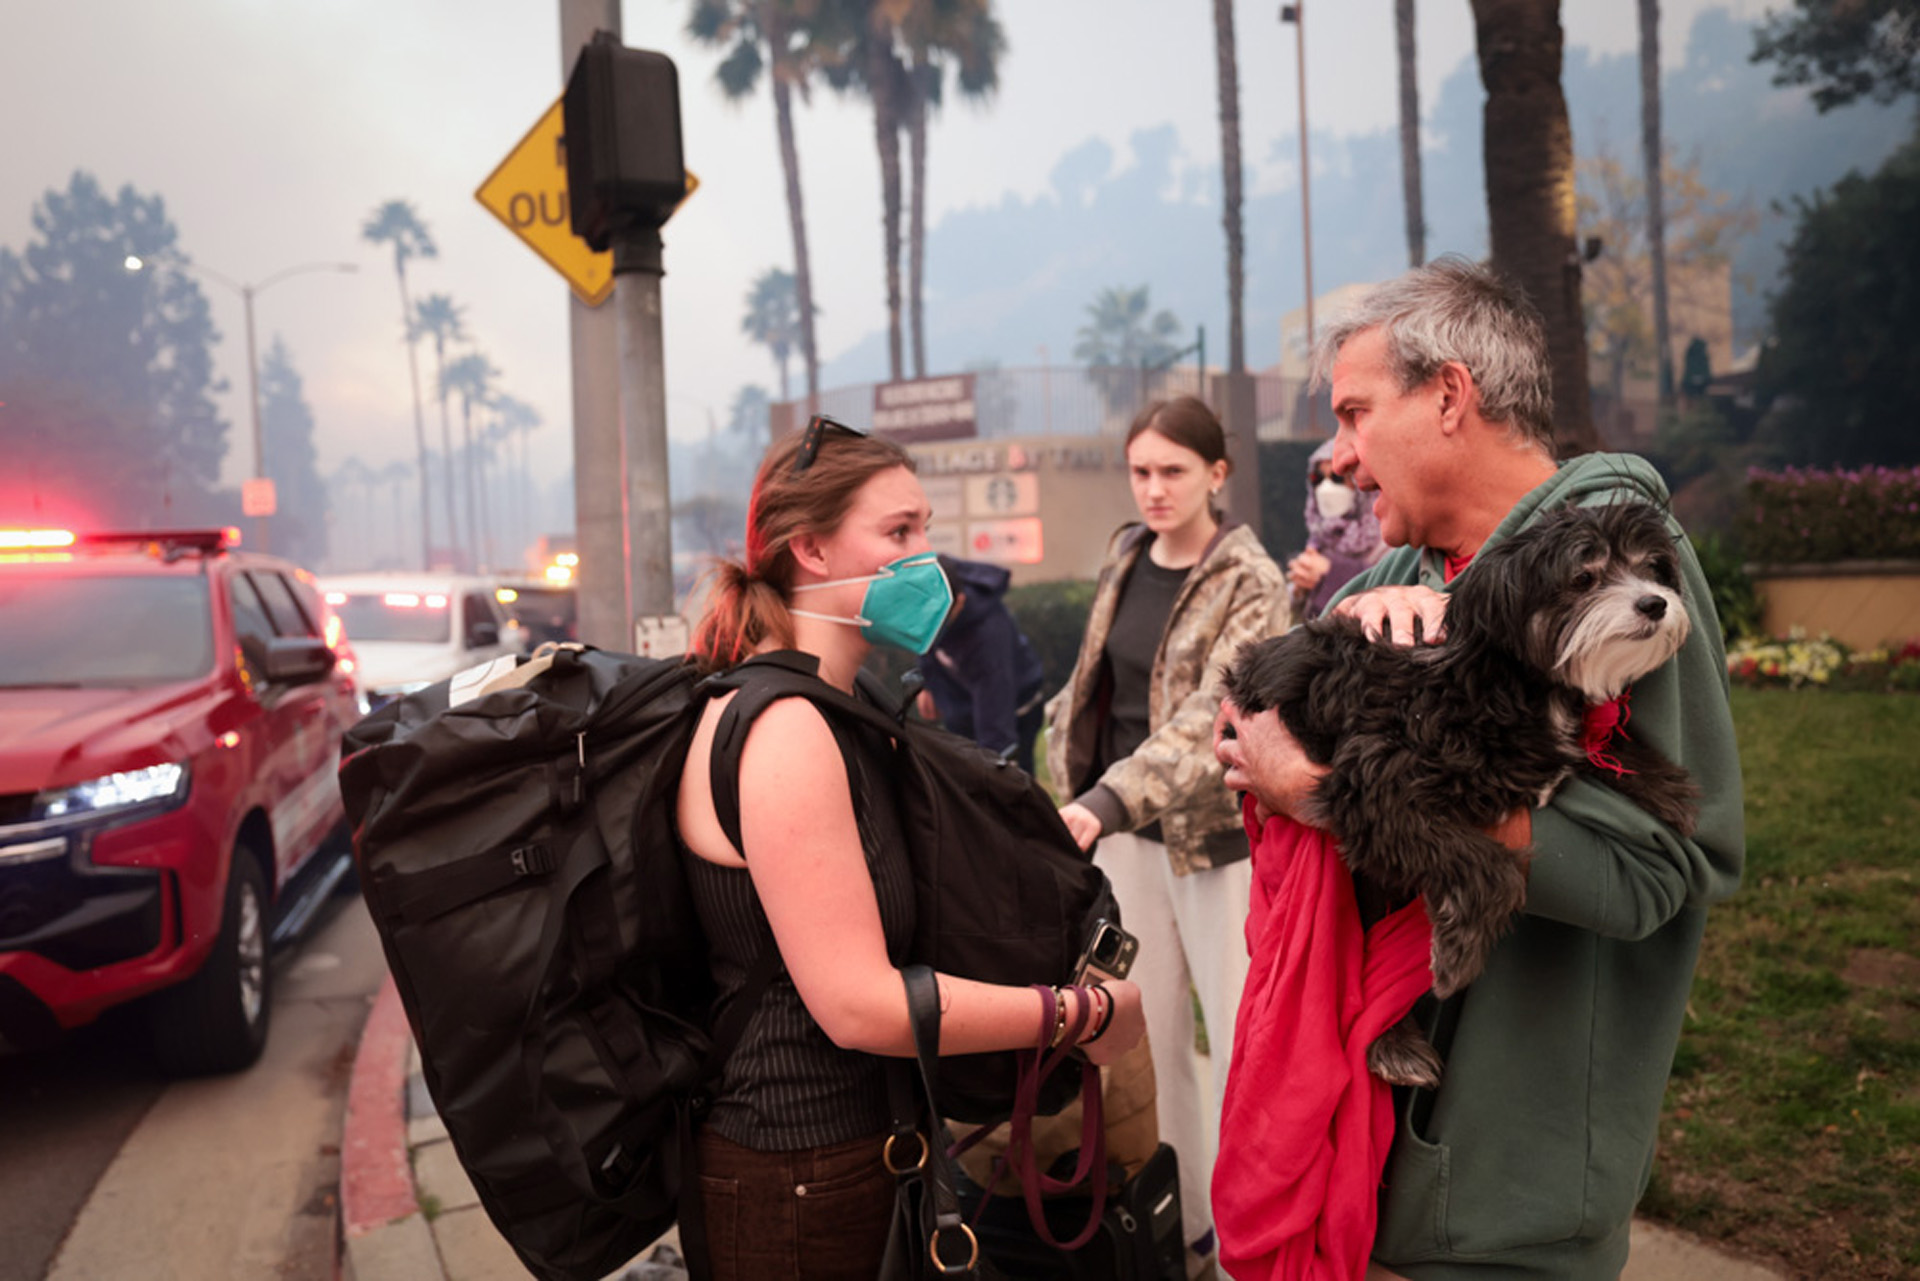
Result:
<point x="1792" y="1122"/>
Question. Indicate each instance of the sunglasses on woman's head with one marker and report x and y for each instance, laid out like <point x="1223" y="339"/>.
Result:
<point x="817" y="428"/>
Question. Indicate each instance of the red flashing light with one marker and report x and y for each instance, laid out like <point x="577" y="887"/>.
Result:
<point x="35" y="539"/>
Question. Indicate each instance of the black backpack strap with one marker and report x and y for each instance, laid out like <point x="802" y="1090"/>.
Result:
<point x="763" y="681"/>
<point x="413" y="898"/>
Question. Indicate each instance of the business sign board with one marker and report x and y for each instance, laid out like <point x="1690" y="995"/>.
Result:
<point x="926" y="409"/>
<point x="1002" y="494"/>
<point x="257" y="497"/>
<point x="1006" y="542"/>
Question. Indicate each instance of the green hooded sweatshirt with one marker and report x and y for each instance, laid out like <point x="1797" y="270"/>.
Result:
<point x="1529" y="1158"/>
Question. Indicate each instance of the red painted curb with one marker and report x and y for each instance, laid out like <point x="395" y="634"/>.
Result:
<point x="376" y="1179"/>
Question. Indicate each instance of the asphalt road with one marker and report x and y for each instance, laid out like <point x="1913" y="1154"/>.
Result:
<point x="110" y="1171"/>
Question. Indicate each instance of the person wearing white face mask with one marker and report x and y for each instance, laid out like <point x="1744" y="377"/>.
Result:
<point x="1343" y="537"/>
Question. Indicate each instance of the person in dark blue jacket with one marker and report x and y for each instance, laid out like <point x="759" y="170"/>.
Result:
<point x="983" y="679"/>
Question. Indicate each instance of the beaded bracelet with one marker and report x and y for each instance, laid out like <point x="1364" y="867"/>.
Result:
<point x="1106" y="1015"/>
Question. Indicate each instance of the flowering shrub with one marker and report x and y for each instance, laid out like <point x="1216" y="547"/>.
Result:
<point x="1800" y="515"/>
<point x="1796" y="661"/>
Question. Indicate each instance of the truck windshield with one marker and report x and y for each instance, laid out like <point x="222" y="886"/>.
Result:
<point x="103" y="630"/>
<point x="422" y="618"/>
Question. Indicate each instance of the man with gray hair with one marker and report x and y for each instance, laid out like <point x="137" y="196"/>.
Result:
<point x="1529" y="1157"/>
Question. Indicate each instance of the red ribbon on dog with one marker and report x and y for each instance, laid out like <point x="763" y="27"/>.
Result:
<point x="1602" y="721"/>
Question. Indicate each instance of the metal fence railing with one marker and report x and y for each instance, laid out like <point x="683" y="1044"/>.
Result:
<point x="1053" y="400"/>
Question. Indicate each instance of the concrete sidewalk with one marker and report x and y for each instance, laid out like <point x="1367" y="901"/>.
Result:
<point x="408" y="1212"/>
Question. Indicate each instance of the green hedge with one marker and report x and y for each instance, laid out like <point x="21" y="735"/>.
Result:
<point x="1054" y="617"/>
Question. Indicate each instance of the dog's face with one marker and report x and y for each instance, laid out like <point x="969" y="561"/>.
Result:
<point x="1591" y="595"/>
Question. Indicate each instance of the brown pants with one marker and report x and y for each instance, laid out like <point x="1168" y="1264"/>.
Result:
<point x="817" y="1214"/>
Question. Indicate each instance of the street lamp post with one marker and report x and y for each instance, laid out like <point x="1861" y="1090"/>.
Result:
<point x="247" y="292"/>
<point x="1297" y="15"/>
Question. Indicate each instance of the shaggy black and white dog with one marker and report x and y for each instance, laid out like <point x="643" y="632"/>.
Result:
<point x="1429" y="745"/>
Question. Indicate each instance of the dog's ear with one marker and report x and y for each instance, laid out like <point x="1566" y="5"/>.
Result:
<point x="1489" y="605"/>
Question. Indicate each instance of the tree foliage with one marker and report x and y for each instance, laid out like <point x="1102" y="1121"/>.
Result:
<point x="1702" y="228"/>
<point x="286" y="431"/>
<point x="747" y="419"/>
<point x="777" y="36"/>
<point x="1122" y="329"/>
<point x="106" y="372"/>
<point x="1846" y="49"/>
<point x="1841" y="364"/>
<point x="772" y="318"/>
<point x="395" y="224"/>
<point x="438" y="317"/>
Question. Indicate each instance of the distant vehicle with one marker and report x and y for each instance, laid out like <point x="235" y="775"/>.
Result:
<point x="548" y="611"/>
<point x="410" y="630"/>
<point x="170" y="718"/>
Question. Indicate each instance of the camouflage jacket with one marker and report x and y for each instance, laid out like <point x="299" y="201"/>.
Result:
<point x="1233" y="595"/>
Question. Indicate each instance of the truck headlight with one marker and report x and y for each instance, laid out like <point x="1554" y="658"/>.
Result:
<point x="112" y="792"/>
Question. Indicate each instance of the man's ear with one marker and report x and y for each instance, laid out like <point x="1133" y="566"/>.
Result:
<point x="1457" y="395"/>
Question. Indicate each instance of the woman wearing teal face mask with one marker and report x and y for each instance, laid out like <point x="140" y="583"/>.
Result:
<point x="793" y="1179"/>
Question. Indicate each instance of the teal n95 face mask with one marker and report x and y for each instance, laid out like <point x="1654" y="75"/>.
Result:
<point x="906" y="604"/>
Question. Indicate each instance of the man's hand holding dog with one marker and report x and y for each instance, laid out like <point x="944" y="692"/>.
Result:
<point x="1403" y="615"/>
<point x="1263" y="758"/>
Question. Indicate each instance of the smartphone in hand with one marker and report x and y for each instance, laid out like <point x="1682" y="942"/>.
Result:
<point x="1108" y="954"/>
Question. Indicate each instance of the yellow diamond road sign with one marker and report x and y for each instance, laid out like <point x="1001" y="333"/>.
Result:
<point x="528" y="192"/>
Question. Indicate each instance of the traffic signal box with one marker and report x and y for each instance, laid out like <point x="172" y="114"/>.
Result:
<point x="625" y="170"/>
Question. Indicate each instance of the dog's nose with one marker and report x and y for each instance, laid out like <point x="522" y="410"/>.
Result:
<point x="1654" y="607"/>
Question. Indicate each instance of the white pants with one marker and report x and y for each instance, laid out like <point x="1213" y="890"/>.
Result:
<point x="1192" y="932"/>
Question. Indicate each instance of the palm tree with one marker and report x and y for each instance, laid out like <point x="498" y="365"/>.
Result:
<point x="1122" y="330"/>
<point x="875" y="67"/>
<point x="353" y="477"/>
<point x="1652" y="153"/>
<point x="395" y="223"/>
<point x="517" y="418"/>
<point x="470" y="378"/>
<point x="1528" y="146"/>
<point x="1122" y="339"/>
<point x="773" y="317"/>
<point x="782" y="29"/>
<point x="1410" y="134"/>
<point x="493" y="435"/>
<point x="966" y="33"/>
<point x="395" y="476"/>
<point x="1227" y="64"/>
<point x="439" y="318"/>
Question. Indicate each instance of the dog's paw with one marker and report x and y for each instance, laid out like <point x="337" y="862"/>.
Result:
<point x="1402" y="1056"/>
<point x="1453" y="964"/>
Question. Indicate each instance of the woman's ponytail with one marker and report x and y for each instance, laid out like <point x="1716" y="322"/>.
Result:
<point x="742" y="611"/>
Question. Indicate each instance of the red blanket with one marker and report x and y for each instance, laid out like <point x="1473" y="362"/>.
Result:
<point x="1304" y="1128"/>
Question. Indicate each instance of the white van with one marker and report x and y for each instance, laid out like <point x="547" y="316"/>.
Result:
<point x="410" y="630"/>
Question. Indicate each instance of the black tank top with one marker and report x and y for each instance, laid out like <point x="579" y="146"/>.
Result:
<point x="787" y="1085"/>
